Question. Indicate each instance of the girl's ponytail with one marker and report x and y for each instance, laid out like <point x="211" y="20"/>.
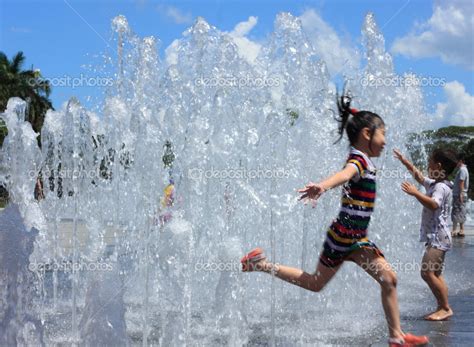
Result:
<point x="352" y="121"/>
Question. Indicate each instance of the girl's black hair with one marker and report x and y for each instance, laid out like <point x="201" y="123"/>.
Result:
<point x="353" y="121"/>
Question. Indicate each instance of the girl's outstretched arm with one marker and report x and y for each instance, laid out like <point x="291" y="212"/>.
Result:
<point x="340" y="177"/>
<point x="417" y="175"/>
<point x="312" y="191"/>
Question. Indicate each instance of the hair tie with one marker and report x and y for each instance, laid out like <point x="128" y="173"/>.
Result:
<point x="354" y="111"/>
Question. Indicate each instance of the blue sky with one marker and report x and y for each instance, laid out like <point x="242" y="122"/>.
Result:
<point x="428" y="38"/>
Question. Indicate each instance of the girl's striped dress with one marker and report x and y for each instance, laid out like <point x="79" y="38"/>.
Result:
<point x="348" y="232"/>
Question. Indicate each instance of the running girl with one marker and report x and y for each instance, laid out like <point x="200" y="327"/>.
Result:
<point x="347" y="238"/>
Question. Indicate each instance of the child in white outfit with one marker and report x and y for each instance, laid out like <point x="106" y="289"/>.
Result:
<point x="434" y="231"/>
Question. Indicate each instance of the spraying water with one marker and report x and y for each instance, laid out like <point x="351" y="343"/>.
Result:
<point x="239" y="137"/>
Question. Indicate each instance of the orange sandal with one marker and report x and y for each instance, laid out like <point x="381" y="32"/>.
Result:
<point x="409" y="340"/>
<point x="252" y="258"/>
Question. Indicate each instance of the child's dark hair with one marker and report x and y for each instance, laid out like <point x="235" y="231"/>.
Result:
<point x="462" y="157"/>
<point x="353" y="121"/>
<point x="448" y="159"/>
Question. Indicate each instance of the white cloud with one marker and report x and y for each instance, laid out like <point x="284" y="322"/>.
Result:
<point x="447" y="34"/>
<point x="175" y="14"/>
<point x="458" y="108"/>
<point x="243" y="28"/>
<point x="247" y="49"/>
<point x="327" y="43"/>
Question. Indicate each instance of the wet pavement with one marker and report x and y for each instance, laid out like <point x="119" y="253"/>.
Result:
<point x="459" y="330"/>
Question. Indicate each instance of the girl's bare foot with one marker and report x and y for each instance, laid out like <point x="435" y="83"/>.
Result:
<point x="440" y="315"/>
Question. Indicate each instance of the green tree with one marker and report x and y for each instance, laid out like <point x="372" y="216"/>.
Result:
<point x="26" y="84"/>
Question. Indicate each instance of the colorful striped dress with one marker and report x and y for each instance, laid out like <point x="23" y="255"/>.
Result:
<point x="348" y="232"/>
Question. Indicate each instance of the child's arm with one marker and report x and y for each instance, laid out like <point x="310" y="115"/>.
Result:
<point x="425" y="200"/>
<point x="339" y="178"/>
<point x="417" y="175"/>
<point x="461" y="189"/>
<point x="312" y="191"/>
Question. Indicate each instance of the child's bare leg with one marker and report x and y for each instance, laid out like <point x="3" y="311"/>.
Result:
<point x="438" y="288"/>
<point x="440" y="291"/>
<point x="455" y="226"/>
<point x="314" y="281"/>
<point x="432" y="264"/>
<point x="442" y="297"/>
<point x="377" y="267"/>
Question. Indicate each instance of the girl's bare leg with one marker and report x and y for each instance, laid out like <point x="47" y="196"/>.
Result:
<point x="377" y="267"/>
<point x="314" y="281"/>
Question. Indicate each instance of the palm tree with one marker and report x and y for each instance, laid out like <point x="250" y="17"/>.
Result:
<point x="26" y="84"/>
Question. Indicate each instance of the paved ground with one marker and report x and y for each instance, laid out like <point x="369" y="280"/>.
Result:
<point x="459" y="330"/>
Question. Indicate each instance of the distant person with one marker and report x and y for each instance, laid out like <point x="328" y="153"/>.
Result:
<point x="461" y="186"/>
<point x="346" y="238"/>
<point x="167" y="202"/>
<point x="39" y="193"/>
<point x="434" y="231"/>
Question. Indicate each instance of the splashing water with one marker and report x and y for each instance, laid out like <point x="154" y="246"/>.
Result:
<point x="244" y="135"/>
